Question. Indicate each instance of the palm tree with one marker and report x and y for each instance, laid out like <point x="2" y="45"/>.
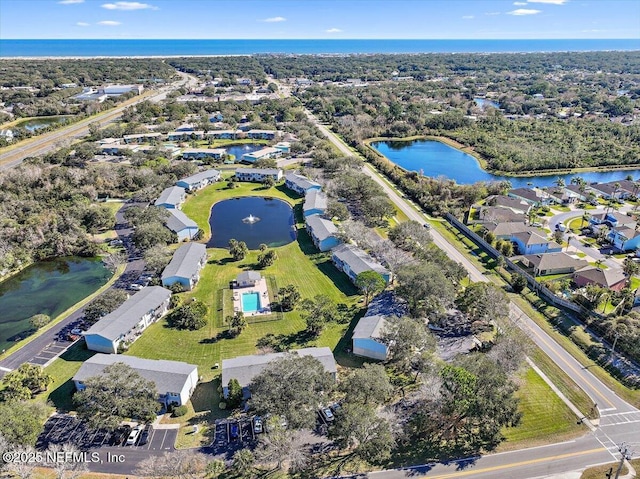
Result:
<point x="585" y="217"/>
<point x="560" y="183"/>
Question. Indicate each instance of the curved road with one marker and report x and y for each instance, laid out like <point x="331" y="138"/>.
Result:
<point x="619" y="421"/>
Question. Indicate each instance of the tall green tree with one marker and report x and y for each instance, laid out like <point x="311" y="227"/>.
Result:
<point x="425" y="288"/>
<point x="105" y="304"/>
<point x="21" y="422"/>
<point x="191" y="316"/>
<point x="289" y="297"/>
<point x="24" y="383"/>
<point x="368" y="385"/>
<point x="116" y="394"/>
<point x="237" y="322"/>
<point x="358" y="428"/>
<point x="411" y="345"/>
<point x="317" y="312"/>
<point x="370" y="283"/>
<point x="238" y="249"/>
<point x="292" y="387"/>
<point x="484" y="302"/>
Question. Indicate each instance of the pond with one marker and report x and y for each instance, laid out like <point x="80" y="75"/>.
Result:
<point x="48" y="287"/>
<point x="238" y="150"/>
<point x="34" y="124"/>
<point x="436" y="159"/>
<point x="254" y="220"/>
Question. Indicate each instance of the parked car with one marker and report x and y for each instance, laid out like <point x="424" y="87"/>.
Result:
<point x="234" y="431"/>
<point x="326" y="413"/>
<point x="136" y="287"/>
<point x="76" y="331"/>
<point x="133" y="435"/>
<point x="561" y="227"/>
<point x="257" y="425"/>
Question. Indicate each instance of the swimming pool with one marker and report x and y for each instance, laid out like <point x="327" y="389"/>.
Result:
<point x="250" y="302"/>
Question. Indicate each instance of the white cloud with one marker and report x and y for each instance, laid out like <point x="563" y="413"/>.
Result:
<point x="70" y="2"/>
<point x="275" y="19"/>
<point x="109" y="23"/>
<point x="128" y="6"/>
<point x="550" y="2"/>
<point x="82" y="24"/>
<point x="519" y="4"/>
<point x="524" y="11"/>
<point x="333" y="30"/>
<point x="491" y="14"/>
<point x="467" y="17"/>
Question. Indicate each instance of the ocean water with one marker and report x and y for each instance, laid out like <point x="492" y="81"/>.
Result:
<point x="149" y="48"/>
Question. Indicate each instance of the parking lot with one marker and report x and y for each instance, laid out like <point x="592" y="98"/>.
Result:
<point x="232" y="435"/>
<point x="63" y="428"/>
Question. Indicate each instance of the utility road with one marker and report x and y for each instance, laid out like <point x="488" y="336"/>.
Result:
<point x="619" y="421"/>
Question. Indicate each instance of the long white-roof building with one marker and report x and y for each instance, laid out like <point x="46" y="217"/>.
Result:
<point x="185" y="266"/>
<point x="127" y="322"/>
<point x="175" y="381"/>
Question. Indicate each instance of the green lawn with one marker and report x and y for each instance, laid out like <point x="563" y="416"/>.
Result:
<point x="544" y="417"/>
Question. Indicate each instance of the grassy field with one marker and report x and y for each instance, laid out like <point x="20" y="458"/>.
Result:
<point x="600" y="472"/>
<point x="544" y="416"/>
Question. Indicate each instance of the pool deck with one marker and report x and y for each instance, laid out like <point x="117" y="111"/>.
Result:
<point x="265" y="302"/>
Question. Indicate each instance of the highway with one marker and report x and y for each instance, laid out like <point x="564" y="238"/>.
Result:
<point x="619" y="421"/>
<point x="47" y="142"/>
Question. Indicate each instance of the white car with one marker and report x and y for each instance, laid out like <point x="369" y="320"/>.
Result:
<point x="133" y="436"/>
<point x="136" y="287"/>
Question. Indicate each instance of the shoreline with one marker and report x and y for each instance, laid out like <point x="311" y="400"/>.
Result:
<point x="483" y="164"/>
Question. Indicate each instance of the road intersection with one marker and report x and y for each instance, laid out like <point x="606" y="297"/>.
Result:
<point x="619" y="420"/>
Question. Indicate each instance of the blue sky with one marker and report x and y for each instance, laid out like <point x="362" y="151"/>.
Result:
<point x="282" y="19"/>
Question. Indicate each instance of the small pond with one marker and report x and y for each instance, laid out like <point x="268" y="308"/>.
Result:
<point x="48" y="287"/>
<point x="254" y="220"/>
<point x="436" y="159"/>
<point x="238" y="150"/>
<point x="34" y="124"/>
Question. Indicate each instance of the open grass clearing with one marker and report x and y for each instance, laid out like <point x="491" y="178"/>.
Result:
<point x="545" y="418"/>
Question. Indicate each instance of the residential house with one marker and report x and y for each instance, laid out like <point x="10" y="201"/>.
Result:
<point x="216" y="118"/>
<point x="315" y="203"/>
<point x="117" y="148"/>
<point x="201" y="153"/>
<point x="262" y="134"/>
<point x="283" y="146"/>
<point x="352" y="261"/>
<point x="529" y="242"/>
<point x="185" y="266"/>
<point x="612" y="219"/>
<point x="175" y="381"/>
<point x="515" y="204"/>
<point x="172" y="197"/>
<point x="366" y="338"/>
<point x="258" y="175"/>
<point x="625" y="238"/>
<point x="552" y="263"/>
<point x="300" y="184"/>
<point x="613" y="279"/>
<point x="262" y="154"/>
<point x="533" y="196"/>
<point x="185" y="135"/>
<point x="247" y="279"/>
<point x="128" y="321"/>
<point x="631" y="187"/>
<point x="323" y="232"/>
<point x="507" y="230"/>
<point x="579" y="192"/>
<point x="609" y="191"/>
<point x="199" y="180"/>
<point x="499" y="214"/>
<point x="142" y="137"/>
<point x="562" y="196"/>
<point x="224" y="134"/>
<point x="245" y="368"/>
<point x="183" y="226"/>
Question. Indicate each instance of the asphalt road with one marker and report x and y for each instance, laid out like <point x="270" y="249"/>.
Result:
<point x="46" y="347"/>
<point x="45" y="143"/>
<point x="619" y="420"/>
